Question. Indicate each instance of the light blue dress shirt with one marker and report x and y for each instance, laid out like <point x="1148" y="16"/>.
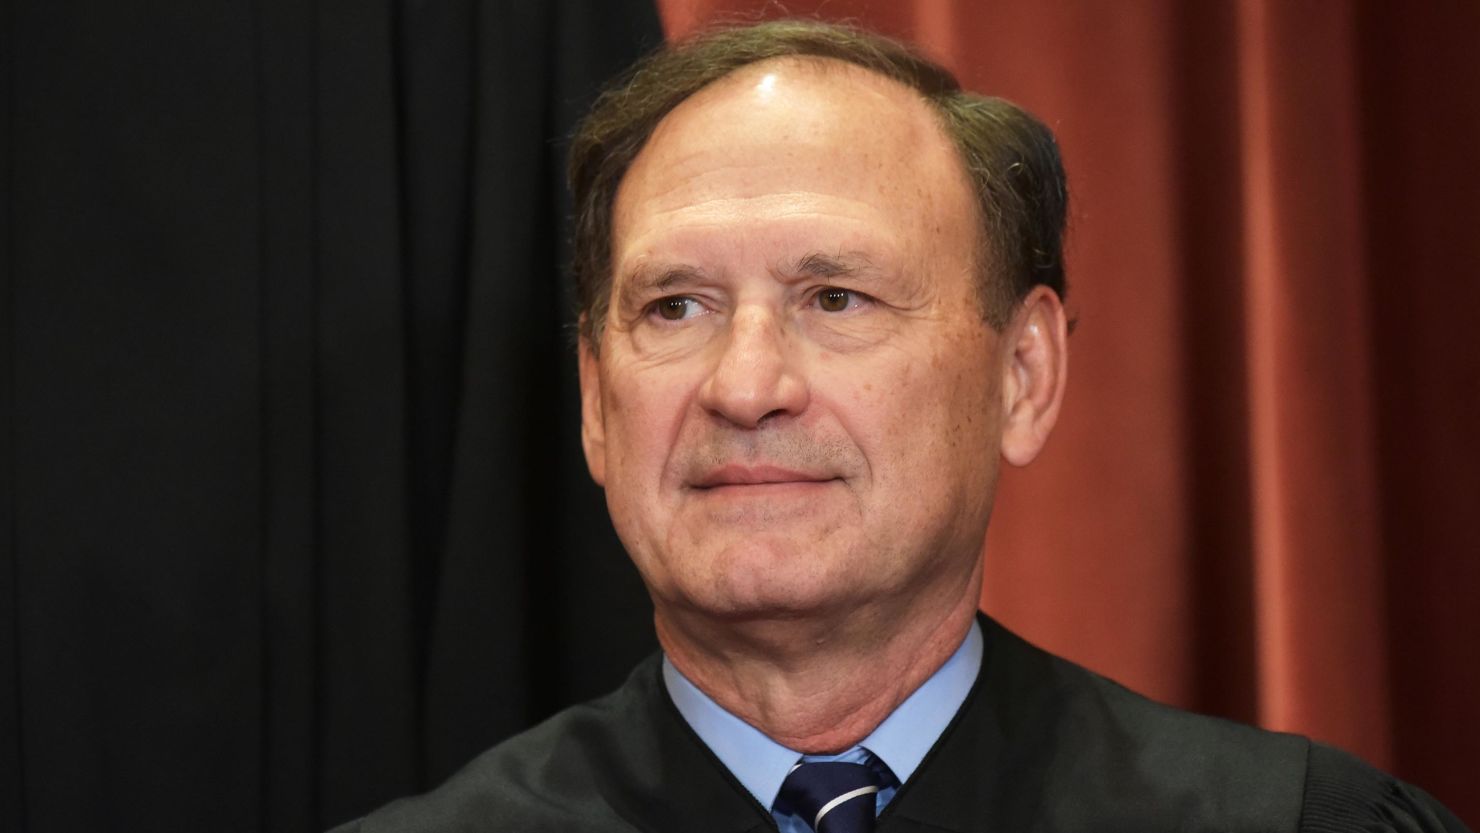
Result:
<point x="900" y="742"/>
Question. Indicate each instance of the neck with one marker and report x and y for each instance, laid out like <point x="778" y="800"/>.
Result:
<point x="819" y="685"/>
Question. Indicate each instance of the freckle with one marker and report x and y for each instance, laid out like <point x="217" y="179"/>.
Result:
<point x="868" y="386"/>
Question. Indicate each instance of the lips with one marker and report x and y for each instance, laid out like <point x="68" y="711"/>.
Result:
<point x="744" y="475"/>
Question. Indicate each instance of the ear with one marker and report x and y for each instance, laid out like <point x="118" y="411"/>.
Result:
<point x="593" y="424"/>
<point x="1036" y="372"/>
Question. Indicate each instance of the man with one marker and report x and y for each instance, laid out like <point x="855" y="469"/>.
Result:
<point x="821" y="298"/>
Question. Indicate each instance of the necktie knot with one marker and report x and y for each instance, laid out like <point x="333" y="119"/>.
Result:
<point x="832" y="796"/>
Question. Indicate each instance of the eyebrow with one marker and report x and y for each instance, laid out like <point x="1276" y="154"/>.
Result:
<point x="660" y="278"/>
<point x="826" y="267"/>
<point x="665" y="278"/>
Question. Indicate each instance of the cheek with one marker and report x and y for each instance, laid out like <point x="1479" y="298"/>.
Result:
<point x="970" y="395"/>
<point x="973" y="416"/>
<point x="643" y="411"/>
<point x="642" y="414"/>
<point x="926" y="415"/>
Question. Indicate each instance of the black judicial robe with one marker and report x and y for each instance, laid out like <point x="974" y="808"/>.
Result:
<point x="1040" y="744"/>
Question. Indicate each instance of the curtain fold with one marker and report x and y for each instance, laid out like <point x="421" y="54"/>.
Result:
<point x="1317" y="539"/>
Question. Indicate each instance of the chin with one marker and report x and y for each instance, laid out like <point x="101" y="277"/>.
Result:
<point x="756" y="581"/>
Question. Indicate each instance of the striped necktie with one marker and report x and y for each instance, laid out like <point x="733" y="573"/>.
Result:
<point x="832" y="797"/>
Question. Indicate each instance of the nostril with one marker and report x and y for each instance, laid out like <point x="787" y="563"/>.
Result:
<point x="779" y="412"/>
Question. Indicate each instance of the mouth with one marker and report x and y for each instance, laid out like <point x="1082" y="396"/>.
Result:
<point x="764" y="478"/>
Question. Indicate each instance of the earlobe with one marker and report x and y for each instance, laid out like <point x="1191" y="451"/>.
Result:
<point x="593" y="426"/>
<point x="1037" y="370"/>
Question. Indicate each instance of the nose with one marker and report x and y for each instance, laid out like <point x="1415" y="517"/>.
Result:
<point x="755" y="376"/>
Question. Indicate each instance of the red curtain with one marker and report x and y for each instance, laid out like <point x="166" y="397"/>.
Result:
<point x="1260" y="500"/>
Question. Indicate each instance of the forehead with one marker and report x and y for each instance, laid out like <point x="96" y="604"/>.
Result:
<point x="797" y="138"/>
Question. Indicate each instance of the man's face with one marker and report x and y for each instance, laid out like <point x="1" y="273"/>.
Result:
<point x="795" y="405"/>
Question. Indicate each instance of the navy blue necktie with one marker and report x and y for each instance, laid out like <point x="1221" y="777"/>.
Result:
<point x="832" y="797"/>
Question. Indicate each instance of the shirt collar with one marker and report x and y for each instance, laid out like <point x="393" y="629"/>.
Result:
<point x="901" y="741"/>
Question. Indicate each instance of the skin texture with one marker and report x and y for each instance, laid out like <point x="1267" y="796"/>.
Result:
<point x="796" y="408"/>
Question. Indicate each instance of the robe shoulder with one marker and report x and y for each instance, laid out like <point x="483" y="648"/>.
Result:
<point x="625" y="762"/>
<point x="547" y="778"/>
<point x="1099" y="756"/>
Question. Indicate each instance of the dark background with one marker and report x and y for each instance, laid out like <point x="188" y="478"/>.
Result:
<point x="295" y="519"/>
<point x="294" y="516"/>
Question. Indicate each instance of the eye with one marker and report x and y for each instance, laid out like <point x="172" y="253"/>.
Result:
<point x="675" y="307"/>
<point x="834" y="299"/>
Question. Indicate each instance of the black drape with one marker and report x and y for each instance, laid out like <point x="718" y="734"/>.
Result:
<point x="295" y="518"/>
